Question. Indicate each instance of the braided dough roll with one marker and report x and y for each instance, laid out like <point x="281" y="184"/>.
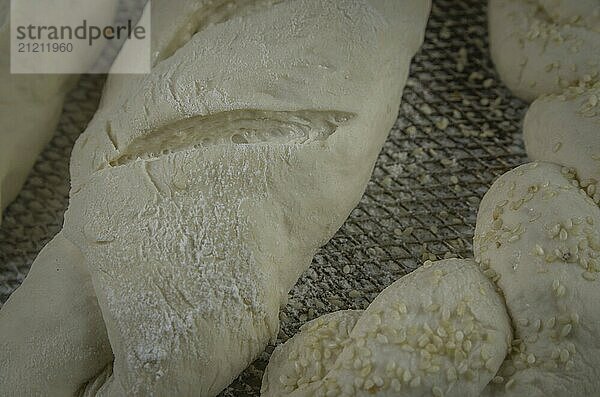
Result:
<point x="442" y="330"/>
<point x="309" y="355"/>
<point x="565" y="129"/>
<point x="202" y="190"/>
<point x="544" y="46"/>
<point x="538" y="236"/>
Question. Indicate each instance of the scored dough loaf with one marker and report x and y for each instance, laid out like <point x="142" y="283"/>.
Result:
<point x="565" y="129"/>
<point x="442" y="330"/>
<point x="31" y="104"/>
<point x="201" y="191"/>
<point x="544" y="46"/>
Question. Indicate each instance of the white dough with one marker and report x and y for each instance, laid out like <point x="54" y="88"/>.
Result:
<point x="543" y="46"/>
<point x="442" y="330"/>
<point x="565" y="129"/>
<point x="202" y="190"/>
<point x="194" y="221"/>
<point x="308" y="355"/>
<point x="49" y="344"/>
<point x="538" y="237"/>
<point x="580" y="12"/>
<point x="31" y="104"/>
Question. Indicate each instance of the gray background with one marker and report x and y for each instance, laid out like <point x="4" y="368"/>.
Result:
<point x="458" y="129"/>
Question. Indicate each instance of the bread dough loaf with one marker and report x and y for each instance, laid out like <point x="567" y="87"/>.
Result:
<point x="309" y="355"/>
<point x="565" y="129"/>
<point x="49" y="342"/>
<point x="442" y="330"/>
<point x="230" y="156"/>
<point x="544" y="46"/>
<point x="32" y="104"/>
<point x="202" y="190"/>
<point x="538" y="236"/>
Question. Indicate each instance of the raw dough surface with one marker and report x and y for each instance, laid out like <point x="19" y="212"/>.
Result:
<point x="309" y="355"/>
<point x="49" y="341"/>
<point x="442" y="330"/>
<point x="565" y="129"/>
<point x="544" y="46"/>
<point x="538" y="236"/>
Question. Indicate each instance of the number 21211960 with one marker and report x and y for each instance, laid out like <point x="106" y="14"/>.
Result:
<point x="45" y="47"/>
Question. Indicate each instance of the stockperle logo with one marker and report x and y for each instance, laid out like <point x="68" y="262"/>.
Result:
<point x="79" y="36"/>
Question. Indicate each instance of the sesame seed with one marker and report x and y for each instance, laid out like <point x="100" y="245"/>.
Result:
<point x="589" y="276"/>
<point x="509" y="384"/>
<point x="416" y="382"/>
<point x="557" y="147"/>
<point x="564" y="355"/>
<point x="539" y="250"/>
<point x="451" y="374"/>
<point x="563" y="235"/>
<point x="406" y="377"/>
<point x="442" y="123"/>
<point x="566" y="330"/>
<point x="378" y="381"/>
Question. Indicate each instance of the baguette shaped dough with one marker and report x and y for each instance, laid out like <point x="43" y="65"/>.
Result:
<point x="538" y="236"/>
<point x="544" y="46"/>
<point x="442" y="330"/>
<point x="50" y="344"/>
<point x="201" y="191"/>
<point x="32" y="104"/>
<point x="565" y="129"/>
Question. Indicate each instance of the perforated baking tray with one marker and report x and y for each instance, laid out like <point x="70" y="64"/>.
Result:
<point x="459" y="128"/>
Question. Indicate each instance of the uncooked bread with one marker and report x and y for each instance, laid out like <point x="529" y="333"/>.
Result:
<point x="201" y="191"/>
<point x="308" y="356"/>
<point x="538" y="236"/>
<point x="544" y="46"/>
<point x="565" y="129"/>
<point x="50" y="340"/>
<point x="31" y="104"/>
<point x="442" y="330"/>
